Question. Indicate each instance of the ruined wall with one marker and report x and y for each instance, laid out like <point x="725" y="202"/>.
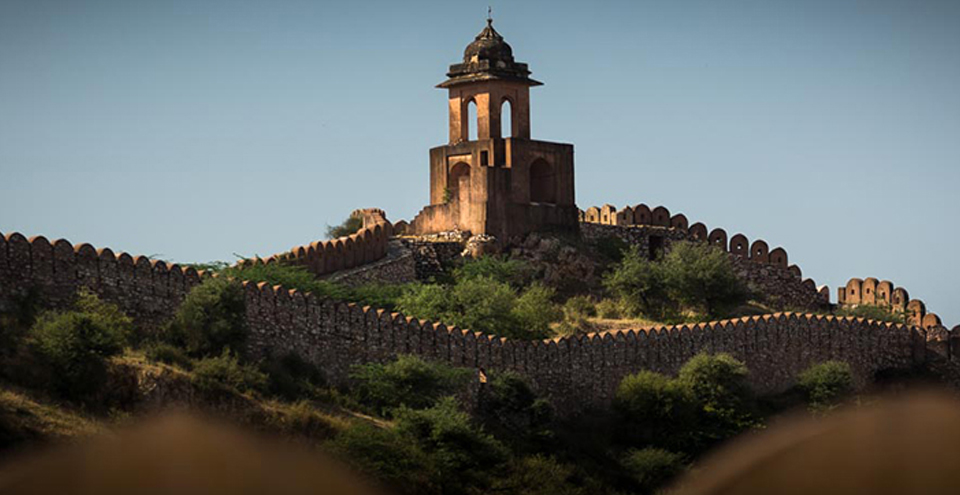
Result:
<point x="573" y="372"/>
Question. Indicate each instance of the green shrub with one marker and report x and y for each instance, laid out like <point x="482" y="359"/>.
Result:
<point x="539" y="475"/>
<point x="349" y="226"/>
<point x="611" y="247"/>
<point x="517" y="273"/>
<point x="211" y="318"/>
<point x="655" y="408"/>
<point x="513" y="412"/>
<point x="719" y="385"/>
<point x="826" y="384"/>
<point x="227" y="372"/>
<point x="463" y="454"/>
<point x="484" y="305"/>
<point x="534" y="311"/>
<point x="76" y="344"/>
<point x="701" y="278"/>
<point x="580" y="306"/>
<point x="408" y="381"/>
<point x="163" y="352"/>
<point x="691" y="277"/>
<point x="576" y="316"/>
<point x="388" y="456"/>
<point x="639" y="284"/>
<point x="652" y="468"/>
<point x="290" y="377"/>
<point x="610" y="308"/>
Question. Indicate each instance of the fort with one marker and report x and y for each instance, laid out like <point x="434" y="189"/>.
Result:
<point x="503" y="188"/>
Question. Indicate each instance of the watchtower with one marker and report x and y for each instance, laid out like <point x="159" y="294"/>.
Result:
<point x="499" y="182"/>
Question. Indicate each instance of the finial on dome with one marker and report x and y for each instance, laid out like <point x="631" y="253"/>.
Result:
<point x="489" y="15"/>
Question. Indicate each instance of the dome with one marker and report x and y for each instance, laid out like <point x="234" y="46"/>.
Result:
<point x="488" y="58"/>
<point x="488" y="45"/>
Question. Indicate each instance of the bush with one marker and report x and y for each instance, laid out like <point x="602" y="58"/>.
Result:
<point x="408" y="381"/>
<point x="651" y="468"/>
<point x="611" y="247"/>
<point x="163" y="352"/>
<point x="824" y="385"/>
<point x="226" y="372"/>
<point x="719" y="386"/>
<point x="291" y="377"/>
<point x="483" y="304"/>
<point x="639" y="284"/>
<point x="512" y="411"/>
<point x="388" y="456"/>
<point x="502" y="269"/>
<point x="76" y="344"/>
<point x="462" y="453"/>
<point x="539" y="475"/>
<point x="691" y="277"/>
<point x="701" y="278"/>
<point x="576" y="316"/>
<point x="609" y="308"/>
<point x="349" y="226"/>
<point x="655" y="409"/>
<point x="211" y="318"/>
<point x="534" y="311"/>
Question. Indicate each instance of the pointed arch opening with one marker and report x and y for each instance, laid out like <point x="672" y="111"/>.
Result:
<point x="543" y="182"/>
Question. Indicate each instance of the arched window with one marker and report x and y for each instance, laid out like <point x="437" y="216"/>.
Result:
<point x="472" y="123"/>
<point x="459" y="171"/>
<point x="506" y="119"/>
<point x="543" y="182"/>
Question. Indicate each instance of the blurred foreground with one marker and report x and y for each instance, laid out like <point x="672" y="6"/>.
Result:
<point x="903" y="444"/>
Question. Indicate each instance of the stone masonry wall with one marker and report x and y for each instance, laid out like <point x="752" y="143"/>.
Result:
<point x="399" y="266"/>
<point x="573" y="372"/>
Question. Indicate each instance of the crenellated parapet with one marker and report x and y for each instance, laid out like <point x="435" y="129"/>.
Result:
<point x="573" y="372"/>
<point x="874" y="292"/>
<point x="367" y="245"/>
<point x="802" y="292"/>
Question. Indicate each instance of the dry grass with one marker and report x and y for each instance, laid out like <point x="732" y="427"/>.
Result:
<point x="23" y="418"/>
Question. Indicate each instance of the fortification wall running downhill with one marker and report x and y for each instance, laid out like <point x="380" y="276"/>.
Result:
<point x="573" y="372"/>
<point x="367" y="245"/>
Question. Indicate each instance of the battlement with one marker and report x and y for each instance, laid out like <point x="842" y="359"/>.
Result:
<point x="573" y="372"/>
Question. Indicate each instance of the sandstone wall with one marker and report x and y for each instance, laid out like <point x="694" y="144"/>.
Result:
<point x="572" y="372"/>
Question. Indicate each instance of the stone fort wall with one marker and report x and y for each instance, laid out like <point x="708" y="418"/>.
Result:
<point x="572" y="372"/>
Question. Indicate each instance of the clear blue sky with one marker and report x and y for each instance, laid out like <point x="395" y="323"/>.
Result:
<point x="195" y="130"/>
